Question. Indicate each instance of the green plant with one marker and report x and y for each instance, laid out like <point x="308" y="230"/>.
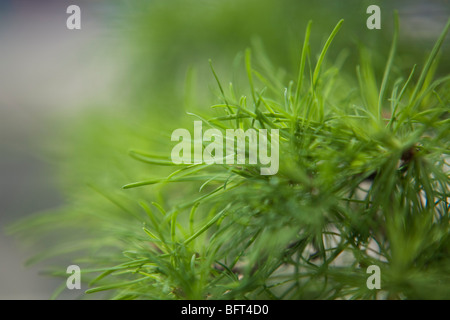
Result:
<point x="363" y="180"/>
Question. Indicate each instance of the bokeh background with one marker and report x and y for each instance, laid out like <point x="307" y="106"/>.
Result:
<point x="128" y="65"/>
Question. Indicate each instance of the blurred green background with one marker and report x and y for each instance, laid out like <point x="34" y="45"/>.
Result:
<point x="73" y="102"/>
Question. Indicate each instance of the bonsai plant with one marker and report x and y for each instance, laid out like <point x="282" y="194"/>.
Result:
<point x="362" y="181"/>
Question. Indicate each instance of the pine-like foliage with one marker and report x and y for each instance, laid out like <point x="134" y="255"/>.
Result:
<point x="363" y="180"/>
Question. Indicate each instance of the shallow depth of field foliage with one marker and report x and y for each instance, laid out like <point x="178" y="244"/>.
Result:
<point x="364" y="158"/>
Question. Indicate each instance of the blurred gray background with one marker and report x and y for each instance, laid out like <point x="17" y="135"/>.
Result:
<point x="46" y="70"/>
